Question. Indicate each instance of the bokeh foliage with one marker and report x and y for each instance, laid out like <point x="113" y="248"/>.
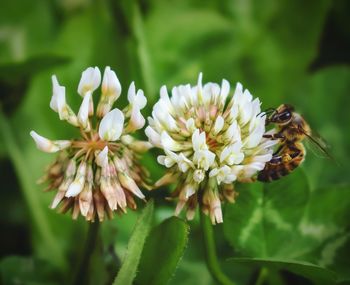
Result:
<point x="296" y="229"/>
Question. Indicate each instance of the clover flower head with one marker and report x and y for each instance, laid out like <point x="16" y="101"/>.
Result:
<point x="98" y="174"/>
<point x="210" y="140"/>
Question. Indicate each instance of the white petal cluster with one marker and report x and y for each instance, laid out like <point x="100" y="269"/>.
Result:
<point x="98" y="173"/>
<point x="114" y="122"/>
<point x="208" y="135"/>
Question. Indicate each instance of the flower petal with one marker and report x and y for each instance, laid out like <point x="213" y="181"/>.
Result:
<point x="47" y="145"/>
<point x="199" y="140"/>
<point x="78" y="184"/>
<point x="136" y="98"/>
<point x="110" y="84"/>
<point x="140" y="99"/>
<point x="58" y="99"/>
<point x="127" y="182"/>
<point x="111" y="126"/>
<point x="102" y="157"/>
<point x="153" y="136"/>
<point x="131" y="92"/>
<point x="90" y="80"/>
<point x="224" y="91"/>
<point x="169" y="143"/>
<point x="137" y="121"/>
<point x="219" y="124"/>
<point x="83" y="114"/>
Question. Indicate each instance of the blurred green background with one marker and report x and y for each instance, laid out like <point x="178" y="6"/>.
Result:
<point x="285" y="51"/>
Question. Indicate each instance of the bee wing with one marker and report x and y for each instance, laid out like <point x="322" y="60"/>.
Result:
<point x="318" y="145"/>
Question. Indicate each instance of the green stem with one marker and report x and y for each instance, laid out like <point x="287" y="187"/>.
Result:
<point x="37" y="215"/>
<point x="142" y="49"/>
<point x="262" y="276"/>
<point x="210" y="252"/>
<point x="81" y="276"/>
<point x="134" y="21"/>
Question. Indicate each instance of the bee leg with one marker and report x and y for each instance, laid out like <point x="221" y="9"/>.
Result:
<point x="280" y="157"/>
<point x="295" y="152"/>
<point x="286" y="158"/>
<point x="277" y="136"/>
<point x="276" y="160"/>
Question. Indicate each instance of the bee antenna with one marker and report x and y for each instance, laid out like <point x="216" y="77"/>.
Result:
<point x="267" y="112"/>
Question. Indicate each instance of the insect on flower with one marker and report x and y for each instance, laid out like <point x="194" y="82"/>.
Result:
<point x="210" y="140"/>
<point x="292" y="130"/>
<point x="99" y="173"/>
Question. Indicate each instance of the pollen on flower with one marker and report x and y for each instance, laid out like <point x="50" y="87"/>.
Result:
<point x="210" y="140"/>
<point x="98" y="174"/>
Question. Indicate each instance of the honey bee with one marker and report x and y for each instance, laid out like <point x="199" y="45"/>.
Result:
<point x="292" y="130"/>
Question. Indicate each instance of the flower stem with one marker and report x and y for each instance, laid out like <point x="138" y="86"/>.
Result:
<point x="210" y="252"/>
<point x="262" y="276"/>
<point x="81" y="276"/>
<point x="37" y="214"/>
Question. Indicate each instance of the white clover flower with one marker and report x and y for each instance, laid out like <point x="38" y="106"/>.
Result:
<point x="99" y="173"/>
<point x="210" y="141"/>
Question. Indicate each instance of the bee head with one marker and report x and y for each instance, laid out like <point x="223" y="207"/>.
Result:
<point x="283" y="115"/>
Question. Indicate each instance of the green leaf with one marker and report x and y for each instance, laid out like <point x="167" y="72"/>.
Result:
<point x="170" y="239"/>
<point x="284" y="221"/>
<point x="190" y="272"/>
<point x="326" y="225"/>
<point x="136" y="243"/>
<point x="25" y="270"/>
<point x="317" y="274"/>
<point x="265" y="215"/>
